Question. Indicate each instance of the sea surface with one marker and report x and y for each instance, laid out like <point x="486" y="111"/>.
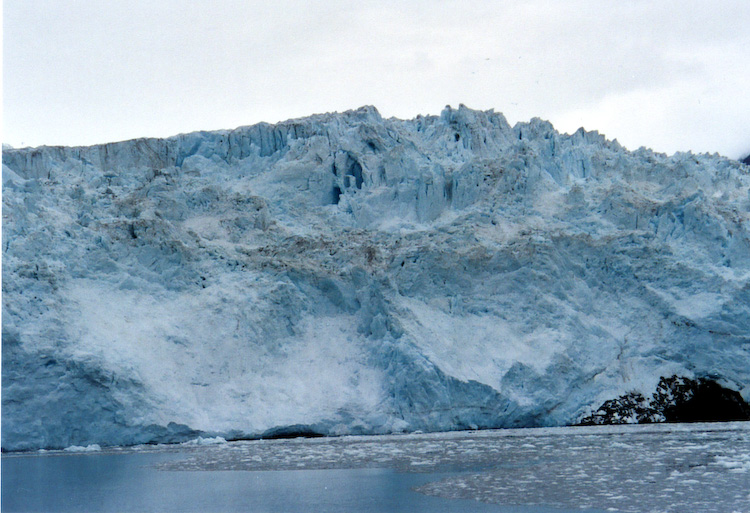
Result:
<point x="640" y="469"/>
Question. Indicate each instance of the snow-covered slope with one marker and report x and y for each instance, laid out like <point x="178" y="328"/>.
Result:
<point x="345" y="273"/>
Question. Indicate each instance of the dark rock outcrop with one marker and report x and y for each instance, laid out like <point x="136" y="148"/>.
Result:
<point x="676" y="399"/>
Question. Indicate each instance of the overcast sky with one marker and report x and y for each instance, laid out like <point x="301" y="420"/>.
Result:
<point x="666" y="74"/>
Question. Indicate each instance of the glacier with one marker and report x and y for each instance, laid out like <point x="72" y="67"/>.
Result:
<point x="349" y="274"/>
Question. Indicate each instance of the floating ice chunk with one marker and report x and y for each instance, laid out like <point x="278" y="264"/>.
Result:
<point x="80" y="448"/>
<point x="735" y="463"/>
<point x="216" y="440"/>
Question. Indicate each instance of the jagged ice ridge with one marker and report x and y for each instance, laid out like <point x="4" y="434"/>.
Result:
<point x="345" y="273"/>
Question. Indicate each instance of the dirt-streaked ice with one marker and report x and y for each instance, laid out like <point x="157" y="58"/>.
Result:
<point x="348" y="274"/>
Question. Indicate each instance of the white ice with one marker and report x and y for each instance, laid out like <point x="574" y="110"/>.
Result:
<point x="349" y="274"/>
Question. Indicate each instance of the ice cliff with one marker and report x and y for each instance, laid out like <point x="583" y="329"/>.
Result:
<point x="345" y="273"/>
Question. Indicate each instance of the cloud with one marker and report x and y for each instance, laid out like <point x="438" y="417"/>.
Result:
<point x="86" y="71"/>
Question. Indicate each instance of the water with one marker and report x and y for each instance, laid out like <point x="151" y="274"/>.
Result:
<point x="130" y="482"/>
<point x="638" y="469"/>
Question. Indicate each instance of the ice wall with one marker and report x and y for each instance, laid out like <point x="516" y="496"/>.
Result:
<point x="345" y="273"/>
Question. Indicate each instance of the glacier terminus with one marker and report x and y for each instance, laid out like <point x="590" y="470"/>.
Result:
<point x="349" y="274"/>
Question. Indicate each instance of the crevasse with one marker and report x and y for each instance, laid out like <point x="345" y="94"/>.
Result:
<point x="345" y="273"/>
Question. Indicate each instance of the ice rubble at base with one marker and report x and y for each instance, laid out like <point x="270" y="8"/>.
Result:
<point x="79" y="448"/>
<point x="348" y="274"/>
